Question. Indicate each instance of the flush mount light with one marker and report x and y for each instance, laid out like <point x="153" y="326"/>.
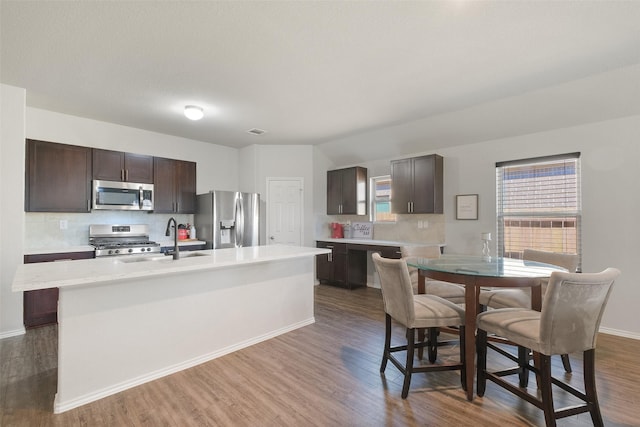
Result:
<point x="256" y="131"/>
<point x="193" y="112"/>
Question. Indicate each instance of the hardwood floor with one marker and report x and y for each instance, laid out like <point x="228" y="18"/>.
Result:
<point x="325" y="374"/>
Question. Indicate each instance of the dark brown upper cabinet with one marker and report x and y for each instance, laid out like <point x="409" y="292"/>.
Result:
<point x="57" y="177"/>
<point x="112" y="165"/>
<point x="417" y="185"/>
<point x="347" y="191"/>
<point x="174" y="186"/>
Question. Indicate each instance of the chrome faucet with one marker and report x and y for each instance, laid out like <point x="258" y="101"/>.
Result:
<point x="176" y="251"/>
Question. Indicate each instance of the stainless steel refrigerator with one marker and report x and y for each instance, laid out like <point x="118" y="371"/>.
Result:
<point x="228" y="219"/>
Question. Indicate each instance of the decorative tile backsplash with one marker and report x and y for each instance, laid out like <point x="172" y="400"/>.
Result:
<point x="414" y="228"/>
<point x="43" y="230"/>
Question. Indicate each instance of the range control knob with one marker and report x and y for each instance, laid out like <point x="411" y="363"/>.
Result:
<point x="130" y="250"/>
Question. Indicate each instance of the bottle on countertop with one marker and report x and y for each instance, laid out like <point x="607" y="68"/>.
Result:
<point x="192" y="232"/>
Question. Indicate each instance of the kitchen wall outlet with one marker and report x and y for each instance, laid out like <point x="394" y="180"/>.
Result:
<point x="419" y="224"/>
<point x="64" y="224"/>
<point x="425" y="224"/>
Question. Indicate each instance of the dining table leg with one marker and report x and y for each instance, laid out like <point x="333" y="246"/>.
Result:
<point x="471" y="311"/>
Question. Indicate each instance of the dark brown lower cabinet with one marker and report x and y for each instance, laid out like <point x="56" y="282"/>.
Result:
<point x="346" y="265"/>
<point x="41" y="306"/>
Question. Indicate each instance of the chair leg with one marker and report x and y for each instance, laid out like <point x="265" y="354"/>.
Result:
<point x="409" y="366"/>
<point x="481" y="350"/>
<point x="432" y="347"/>
<point x="463" y="370"/>
<point x="589" y="367"/>
<point x="387" y="343"/>
<point x="566" y="363"/>
<point x="545" y="390"/>
<point x="421" y="338"/>
<point x="523" y="360"/>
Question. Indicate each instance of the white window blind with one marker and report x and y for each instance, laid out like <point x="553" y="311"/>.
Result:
<point x="381" y="199"/>
<point x="539" y="205"/>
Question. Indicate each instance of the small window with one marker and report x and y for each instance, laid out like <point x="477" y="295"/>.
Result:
<point x="381" y="199"/>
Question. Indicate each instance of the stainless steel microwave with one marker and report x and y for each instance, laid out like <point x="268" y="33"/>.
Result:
<point x="114" y="195"/>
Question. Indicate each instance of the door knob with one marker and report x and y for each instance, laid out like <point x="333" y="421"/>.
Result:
<point x="272" y="238"/>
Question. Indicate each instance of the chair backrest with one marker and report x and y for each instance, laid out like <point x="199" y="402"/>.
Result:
<point x="418" y="252"/>
<point x="397" y="293"/>
<point x="568" y="261"/>
<point x="572" y="310"/>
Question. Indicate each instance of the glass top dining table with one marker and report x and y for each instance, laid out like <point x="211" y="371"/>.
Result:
<point x="476" y="272"/>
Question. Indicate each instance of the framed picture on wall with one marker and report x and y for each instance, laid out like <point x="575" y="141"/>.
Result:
<point x="467" y="206"/>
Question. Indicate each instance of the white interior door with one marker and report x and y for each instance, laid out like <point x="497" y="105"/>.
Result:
<point x="284" y="211"/>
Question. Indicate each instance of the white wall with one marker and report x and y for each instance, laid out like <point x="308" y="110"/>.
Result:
<point x="217" y="166"/>
<point x="260" y="162"/>
<point x="12" y="124"/>
<point x="610" y="173"/>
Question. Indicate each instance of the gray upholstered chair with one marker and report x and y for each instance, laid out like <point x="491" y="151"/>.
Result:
<point x="569" y="322"/>
<point x="521" y="298"/>
<point x="449" y="291"/>
<point x="413" y="312"/>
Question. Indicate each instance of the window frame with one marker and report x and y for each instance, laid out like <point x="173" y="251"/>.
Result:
<point x="565" y="212"/>
<point x="373" y="200"/>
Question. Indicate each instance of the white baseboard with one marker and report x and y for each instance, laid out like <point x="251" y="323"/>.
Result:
<point x="619" y="333"/>
<point x="59" y="407"/>
<point x="15" y="332"/>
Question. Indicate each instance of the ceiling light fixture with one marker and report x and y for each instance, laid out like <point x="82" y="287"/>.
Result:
<point x="256" y="131"/>
<point x="193" y="112"/>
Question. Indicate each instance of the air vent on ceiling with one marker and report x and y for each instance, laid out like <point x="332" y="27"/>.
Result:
<point x="256" y="131"/>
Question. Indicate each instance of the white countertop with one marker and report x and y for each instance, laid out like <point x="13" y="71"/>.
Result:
<point x="378" y="242"/>
<point x="112" y="269"/>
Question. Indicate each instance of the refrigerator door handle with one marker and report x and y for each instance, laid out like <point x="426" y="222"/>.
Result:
<point x="239" y="217"/>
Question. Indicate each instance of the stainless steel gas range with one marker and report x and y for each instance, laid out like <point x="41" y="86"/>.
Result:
<point x="119" y="240"/>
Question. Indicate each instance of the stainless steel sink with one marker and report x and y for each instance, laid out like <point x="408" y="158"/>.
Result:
<point x="167" y="258"/>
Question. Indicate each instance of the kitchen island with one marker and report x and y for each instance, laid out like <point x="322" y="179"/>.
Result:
<point x="125" y="321"/>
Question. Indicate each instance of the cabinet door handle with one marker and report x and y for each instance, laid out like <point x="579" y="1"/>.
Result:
<point x="121" y="174"/>
<point x="330" y="257"/>
<point x="409" y="207"/>
<point x="126" y="174"/>
<point x="88" y="205"/>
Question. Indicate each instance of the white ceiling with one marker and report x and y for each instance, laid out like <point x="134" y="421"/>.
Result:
<point x="322" y="71"/>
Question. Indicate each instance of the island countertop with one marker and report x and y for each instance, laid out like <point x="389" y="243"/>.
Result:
<point x="36" y="276"/>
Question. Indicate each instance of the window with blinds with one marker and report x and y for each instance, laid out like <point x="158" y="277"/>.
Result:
<point x="539" y="205"/>
<point x="381" y="199"/>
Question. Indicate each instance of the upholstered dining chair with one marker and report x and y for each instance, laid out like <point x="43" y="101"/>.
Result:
<point x="571" y="313"/>
<point x="414" y="312"/>
<point x="521" y="298"/>
<point x="449" y="291"/>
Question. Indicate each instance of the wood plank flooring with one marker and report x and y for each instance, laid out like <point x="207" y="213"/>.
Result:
<point x="325" y="374"/>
